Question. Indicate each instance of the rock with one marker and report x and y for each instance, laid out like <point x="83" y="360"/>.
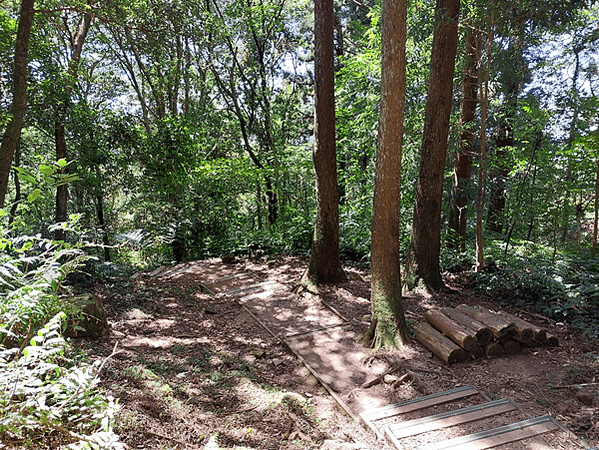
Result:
<point x="586" y="398"/>
<point x="86" y="317"/>
<point x="210" y="309"/>
<point x="228" y="259"/>
<point x="389" y="379"/>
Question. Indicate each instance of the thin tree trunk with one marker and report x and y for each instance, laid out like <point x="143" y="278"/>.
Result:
<point x="482" y="171"/>
<point x="17" y="200"/>
<point x="62" y="193"/>
<point x="324" y="264"/>
<point x="388" y="327"/>
<point x="571" y="136"/>
<point x="463" y="162"/>
<point x="12" y="134"/>
<point x="425" y="243"/>
<point x="102" y="225"/>
<point x="596" y="219"/>
<point x="505" y="136"/>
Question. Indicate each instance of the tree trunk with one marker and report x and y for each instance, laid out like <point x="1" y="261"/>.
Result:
<point x="425" y="242"/>
<point x="463" y="162"/>
<point x="62" y="194"/>
<point x="482" y="169"/>
<point x="102" y="225"/>
<point x="324" y="265"/>
<point x="12" y="134"/>
<point x="505" y="136"/>
<point x="388" y="326"/>
<point x="17" y="200"/>
<point x="596" y="218"/>
<point x="567" y="208"/>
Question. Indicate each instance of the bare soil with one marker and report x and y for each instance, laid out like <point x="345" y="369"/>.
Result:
<point x="195" y="370"/>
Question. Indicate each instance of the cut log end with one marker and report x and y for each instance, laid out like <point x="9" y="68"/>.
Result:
<point x="442" y="347"/>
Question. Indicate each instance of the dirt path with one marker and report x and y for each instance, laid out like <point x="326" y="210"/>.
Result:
<point x="197" y="368"/>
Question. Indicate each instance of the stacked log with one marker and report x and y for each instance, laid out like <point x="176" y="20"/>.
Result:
<point x="457" y="334"/>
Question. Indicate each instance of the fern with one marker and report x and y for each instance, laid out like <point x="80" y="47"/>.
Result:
<point x="45" y="392"/>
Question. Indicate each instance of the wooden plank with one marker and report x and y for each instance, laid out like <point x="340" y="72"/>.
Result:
<point x="418" y="403"/>
<point x="497" y="436"/>
<point x="450" y="418"/>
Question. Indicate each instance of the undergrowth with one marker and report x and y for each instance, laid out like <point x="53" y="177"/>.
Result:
<point x="564" y="287"/>
<point x="48" y="397"/>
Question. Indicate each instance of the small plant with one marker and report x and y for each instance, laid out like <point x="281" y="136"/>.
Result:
<point x="45" y="394"/>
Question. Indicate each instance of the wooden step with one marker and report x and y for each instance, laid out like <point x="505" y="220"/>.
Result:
<point x="450" y="418"/>
<point x="418" y="403"/>
<point x="497" y="436"/>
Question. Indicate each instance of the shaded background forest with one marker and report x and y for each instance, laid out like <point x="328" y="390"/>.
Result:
<point x="160" y="131"/>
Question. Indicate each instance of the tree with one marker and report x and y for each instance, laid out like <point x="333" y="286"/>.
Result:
<point x="76" y="46"/>
<point x="460" y="193"/>
<point x="423" y="253"/>
<point x="388" y="327"/>
<point x="10" y="138"/>
<point x="324" y="265"/>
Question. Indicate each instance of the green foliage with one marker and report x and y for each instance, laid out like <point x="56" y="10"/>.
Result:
<point x="566" y="289"/>
<point x="31" y="271"/>
<point x="46" y="393"/>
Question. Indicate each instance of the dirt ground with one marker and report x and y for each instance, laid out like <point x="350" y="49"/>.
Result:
<point x="195" y="370"/>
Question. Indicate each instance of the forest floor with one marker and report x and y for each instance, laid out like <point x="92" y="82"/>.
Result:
<point x="195" y="370"/>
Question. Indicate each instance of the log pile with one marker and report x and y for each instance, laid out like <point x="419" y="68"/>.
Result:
<point x="465" y="332"/>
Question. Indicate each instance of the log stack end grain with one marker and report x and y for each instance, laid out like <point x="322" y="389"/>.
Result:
<point x="441" y="346"/>
<point x="457" y="334"/>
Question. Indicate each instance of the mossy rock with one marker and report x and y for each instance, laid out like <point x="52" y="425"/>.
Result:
<point x="86" y="317"/>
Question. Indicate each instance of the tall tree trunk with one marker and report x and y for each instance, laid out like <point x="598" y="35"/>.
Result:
<point x="388" y="327"/>
<point x="62" y="193"/>
<point x="324" y="264"/>
<point x="596" y="218"/>
<point x="571" y="137"/>
<point x="12" y="134"/>
<point x="482" y="169"/>
<point x="425" y="242"/>
<point x="505" y="136"/>
<point x="102" y="224"/>
<point x="463" y="162"/>
<point x="17" y="200"/>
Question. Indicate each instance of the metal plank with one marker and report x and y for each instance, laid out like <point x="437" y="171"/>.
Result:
<point x="450" y="418"/>
<point x="497" y="436"/>
<point x="418" y="403"/>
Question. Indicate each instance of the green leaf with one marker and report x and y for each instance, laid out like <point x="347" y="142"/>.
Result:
<point x="47" y="170"/>
<point x="25" y="175"/>
<point x="33" y="196"/>
<point x="62" y="163"/>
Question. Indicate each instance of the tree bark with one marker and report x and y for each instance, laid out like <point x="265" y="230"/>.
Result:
<point x="502" y="327"/>
<point x="596" y="209"/>
<point x="483" y="334"/>
<point x="439" y="345"/>
<point x="482" y="169"/>
<point x="62" y="193"/>
<point x="324" y="265"/>
<point x="388" y="326"/>
<point x="12" y="134"/>
<point x="453" y="330"/>
<point x="463" y="161"/>
<point x="425" y="242"/>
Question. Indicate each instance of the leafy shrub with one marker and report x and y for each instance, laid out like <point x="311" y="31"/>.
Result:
<point x="47" y="397"/>
<point x="564" y="289"/>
